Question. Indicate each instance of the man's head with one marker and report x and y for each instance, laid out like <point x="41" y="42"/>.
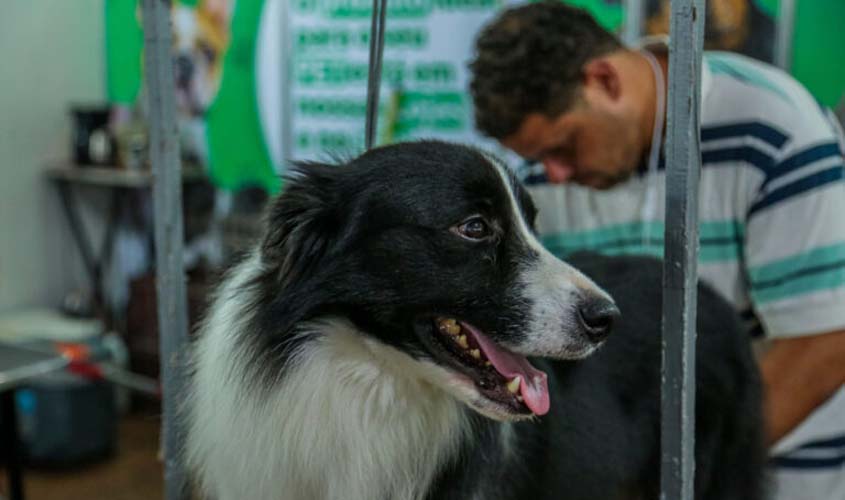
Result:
<point x="551" y="84"/>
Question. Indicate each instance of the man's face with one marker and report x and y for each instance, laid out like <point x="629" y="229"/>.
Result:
<point x="592" y="144"/>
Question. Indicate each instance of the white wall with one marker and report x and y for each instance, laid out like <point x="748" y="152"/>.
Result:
<point x="52" y="54"/>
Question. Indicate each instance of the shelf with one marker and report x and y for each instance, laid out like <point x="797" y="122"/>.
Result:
<point x="112" y="176"/>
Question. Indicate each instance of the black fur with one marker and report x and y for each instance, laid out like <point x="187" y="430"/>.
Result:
<point x="371" y="241"/>
<point x="358" y="240"/>
<point x="601" y="440"/>
<point x="730" y="454"/>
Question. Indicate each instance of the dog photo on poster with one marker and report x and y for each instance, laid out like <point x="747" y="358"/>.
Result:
<point x="214" y="54"/>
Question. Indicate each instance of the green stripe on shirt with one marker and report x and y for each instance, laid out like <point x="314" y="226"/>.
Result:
<point x="603" y="236"/>
<point x="720" y="240"/>
<point x="811" y="271"/>
<point x="826" y="280"/>
<point x="784" y="267"/>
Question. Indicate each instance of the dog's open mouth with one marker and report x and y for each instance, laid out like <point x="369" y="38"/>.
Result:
<point x="502" y="376"/>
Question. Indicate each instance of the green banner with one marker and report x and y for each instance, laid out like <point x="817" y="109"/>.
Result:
<point x="237" y="152"/>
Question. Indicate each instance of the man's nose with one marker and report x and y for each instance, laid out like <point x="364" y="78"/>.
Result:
<point x="557" y="169"/>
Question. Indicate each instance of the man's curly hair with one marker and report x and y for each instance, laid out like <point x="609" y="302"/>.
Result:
<point x="530" y="59"/>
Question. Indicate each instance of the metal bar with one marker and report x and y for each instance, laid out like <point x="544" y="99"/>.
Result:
<point x="95" y="264"/>
<point x="107" y="245"/>
<point x="81" y="237"/>
<point x="106" y="250"/>
<point x="374" y="74"/>
<point x="167" y="210"/>
<point x="632" y="30"/>
<point x="286" y="117"/>
<point x="12" y="449"/>
<point x="784" y="34"/>
<point x="680" y="268"/>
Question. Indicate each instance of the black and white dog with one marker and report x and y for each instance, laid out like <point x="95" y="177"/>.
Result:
<point x="375" y="346"/>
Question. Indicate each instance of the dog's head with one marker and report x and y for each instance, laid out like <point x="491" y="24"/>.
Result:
<point x="200" y="40"/>
<point x="428" y="248"/>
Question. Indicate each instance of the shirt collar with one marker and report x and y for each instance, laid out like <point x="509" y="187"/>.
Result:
<point x="659" y="44"/>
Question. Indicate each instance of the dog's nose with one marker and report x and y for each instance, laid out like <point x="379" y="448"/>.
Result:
<point x="184" y="69"/>
<point x="597" y="316"/>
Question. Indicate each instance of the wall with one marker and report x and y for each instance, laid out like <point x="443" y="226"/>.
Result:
<point x="51" y="54"/>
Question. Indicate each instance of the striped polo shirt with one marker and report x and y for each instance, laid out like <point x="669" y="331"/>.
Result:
<point x="772" y="211"/>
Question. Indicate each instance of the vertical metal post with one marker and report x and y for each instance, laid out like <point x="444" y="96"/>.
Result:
<point x="784" y="34"/>
<point x="286" y="117"/>
<point x="374" y="74"/>
<point x="632" y="30"/>
<point x="167" y="206"/>
<point x="680" y="268"/>
<point x="9" y="436"/>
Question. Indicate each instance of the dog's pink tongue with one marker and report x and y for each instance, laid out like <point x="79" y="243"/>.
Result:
<point x="534" y="387"/>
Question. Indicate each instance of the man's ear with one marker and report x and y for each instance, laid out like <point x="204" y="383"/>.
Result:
<point x="302" y="223"/>
<point x="602" y="75"/>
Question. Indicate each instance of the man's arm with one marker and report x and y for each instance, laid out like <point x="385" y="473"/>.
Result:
<point x="799" y="375"/>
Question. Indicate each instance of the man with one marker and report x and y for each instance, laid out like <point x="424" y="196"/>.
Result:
<point x="556" y="88"/>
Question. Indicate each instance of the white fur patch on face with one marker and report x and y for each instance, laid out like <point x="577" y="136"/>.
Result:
<point x="185" y="28"/>
<point x="351" y="418"/>
<point x="553" y="289"/>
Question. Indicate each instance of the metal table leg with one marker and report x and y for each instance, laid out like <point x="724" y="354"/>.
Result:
<point x="94" y="264"/>
<point x="81" y="238"/>
<point x="14" y="461"/>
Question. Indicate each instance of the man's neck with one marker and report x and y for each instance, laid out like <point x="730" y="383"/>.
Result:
<point x="649" y="97"/>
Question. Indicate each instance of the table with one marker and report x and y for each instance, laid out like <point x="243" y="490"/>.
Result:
<point x="17" y="365"/>
<point x="121" y="182"/>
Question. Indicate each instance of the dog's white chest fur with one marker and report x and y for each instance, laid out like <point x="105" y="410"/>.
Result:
<point x="351" y="420"/>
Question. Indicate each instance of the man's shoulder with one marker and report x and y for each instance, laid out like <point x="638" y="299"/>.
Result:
<point x="741" y="74"/>
<point x="742" y="90"/>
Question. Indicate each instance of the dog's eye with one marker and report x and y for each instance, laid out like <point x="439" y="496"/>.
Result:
<point x="208" y="52"/>
<point x="475" y="228"/>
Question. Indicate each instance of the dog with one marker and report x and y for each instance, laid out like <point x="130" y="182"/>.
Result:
<point x="201" y="39"/>
<point x="400" y="333"/>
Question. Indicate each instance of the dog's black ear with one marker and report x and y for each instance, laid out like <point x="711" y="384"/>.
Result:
<point x="302" y="222"/>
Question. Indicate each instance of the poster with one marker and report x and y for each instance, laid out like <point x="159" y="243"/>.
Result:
<point x="230" y="75"/>
<point x="231" y="69"/>
<point x="424" y="75"/>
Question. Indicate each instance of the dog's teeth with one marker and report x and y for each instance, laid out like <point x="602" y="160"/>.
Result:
<point x="513" y="385"/>
<point x="519" y="398"/>
<point x="487" y="363"/>
<point x="462" y="341"/>
<point x="475" y="353"/>
<point x="449" y="326"/>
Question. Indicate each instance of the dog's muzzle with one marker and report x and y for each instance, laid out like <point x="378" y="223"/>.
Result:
<point x="597" y="316"/>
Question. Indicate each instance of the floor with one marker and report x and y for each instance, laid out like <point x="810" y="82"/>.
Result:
<point x="134" y="473"/>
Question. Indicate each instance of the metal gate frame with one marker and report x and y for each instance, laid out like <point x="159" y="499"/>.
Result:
<point x="681" y="236"/>
<point x="680" y="264"/>
<point x="785" y="33"/>
<point x="167" y="219"/>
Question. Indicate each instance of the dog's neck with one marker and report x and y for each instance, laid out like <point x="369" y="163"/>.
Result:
<point x="381" y="430"/>
<point x="350" y="418"/>
<point x="357" y="422"/>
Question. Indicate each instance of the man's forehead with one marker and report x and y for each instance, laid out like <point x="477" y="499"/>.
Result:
<point x="535" y="134"/>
